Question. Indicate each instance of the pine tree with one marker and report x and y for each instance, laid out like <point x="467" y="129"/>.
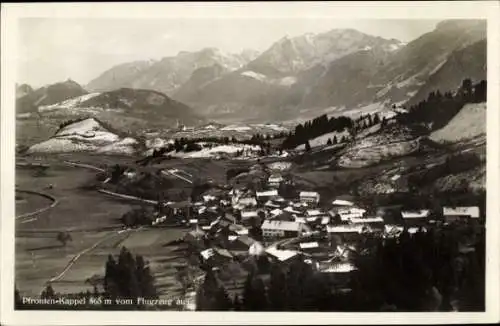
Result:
<point x="307" y="146"/>
<point x="17" y="298"/>
<point x="237" y="304"/>
<point x="222" y="301"/>
<point x="48" y="292"/>
<point x="384" y="122"/>
<point x="335" y="140"/>
<point x="329" y="142"/>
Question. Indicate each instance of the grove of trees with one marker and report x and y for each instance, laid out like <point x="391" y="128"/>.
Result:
<point x="439" y="108"/>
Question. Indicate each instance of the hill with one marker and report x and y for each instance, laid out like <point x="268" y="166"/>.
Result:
<point x="86" y="135"/>
<point x="469" y="123"/>
<point x="48" y="95"/>
<point x="143" y="107"/>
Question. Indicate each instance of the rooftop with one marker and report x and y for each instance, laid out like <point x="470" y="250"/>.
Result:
<point x="422" y="213"/>
<point x="282" y="255"/>
<point x="281" y="225"/>
<point x="267" y="193"/>
<point x="340" y="202"/>
<point x="308" y="194"/>
<point x="472" y="211"/>
<point x="308" y="245"/>
<point x="345" y="228"/>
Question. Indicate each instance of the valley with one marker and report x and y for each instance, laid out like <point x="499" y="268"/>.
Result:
<point x="287" y="179"/>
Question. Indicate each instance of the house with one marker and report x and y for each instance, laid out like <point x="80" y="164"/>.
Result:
<point x="415" y="217"/>
<point x="310" y="248"/>
<point x="291" y="210"/>
<point x="314" y="213"/>
<point x="249" y="214"/>
<point x="283" y="229"/>
<point x="345" y="229"/>
<point x="373" y="222"/>
<point x="347" y="214"/>
<point x="346" y="233"/>
<point x="266" y="195"/>
<point x="249" y="217"/>
<point x="213" y="257"/>
<point x="247" y="202"/>
<point x="209" y="198"/>
<point x="276" y="212"/>
<point x="309" y="197"/>
<point x="454" y="214"/>
<point x="338" y="274"/>
<point x="238" y="243"/>
<point x="275" y="180"/>
<point x="271" y="204"/>
<point x="282" y="255"/>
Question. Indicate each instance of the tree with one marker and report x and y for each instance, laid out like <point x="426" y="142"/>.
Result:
<point x="307" y="146"/>
<point x="222" y="301"/>
<point x="384" y="122"/>
<point x="48" y="292"/>
<point x="335" y="141"/>
<point x="63" y="237"/>
<point x="376" y="119"/>
<point x="329" y="142"/>
<point x="17" y="298"/>
<point x="466" y="88"/>
<point x="237" y="304"/>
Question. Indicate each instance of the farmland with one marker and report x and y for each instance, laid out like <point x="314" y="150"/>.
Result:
<point x="92" y="220"/>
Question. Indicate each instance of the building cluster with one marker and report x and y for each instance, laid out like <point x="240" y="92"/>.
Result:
<point x="229" y="228"/>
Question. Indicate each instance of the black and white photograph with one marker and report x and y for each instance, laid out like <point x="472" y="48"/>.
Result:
<point x="250" y="162"/>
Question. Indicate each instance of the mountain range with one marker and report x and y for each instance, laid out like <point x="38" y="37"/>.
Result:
<point x="167" y="74"/>
<point x="339" y="71"/>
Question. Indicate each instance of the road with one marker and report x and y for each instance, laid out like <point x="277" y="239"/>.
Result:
<point x="86" y="250"/>
<point x="29" y="217"/>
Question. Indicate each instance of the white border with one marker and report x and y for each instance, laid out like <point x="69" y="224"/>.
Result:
<point x="336" y="10"/>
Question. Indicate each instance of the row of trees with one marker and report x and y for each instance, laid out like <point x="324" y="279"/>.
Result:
<point x="435" y="111"/>
<point x="128" y="277"/>
<point x="322" y="125"/>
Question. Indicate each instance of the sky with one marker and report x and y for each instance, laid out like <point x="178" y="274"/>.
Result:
<point x="55" y="49"/>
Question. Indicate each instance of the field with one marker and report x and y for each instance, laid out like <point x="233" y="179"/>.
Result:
<point x="92" y="220"/>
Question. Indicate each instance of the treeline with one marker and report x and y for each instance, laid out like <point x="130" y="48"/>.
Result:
<point x="193" y="144"/>
<point x="322" y="125"/>
<point x="435" y="111"/>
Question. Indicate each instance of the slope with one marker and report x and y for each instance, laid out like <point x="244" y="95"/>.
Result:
<point x="48" y="95"/>
<point x="86" y="135"/>
<point x="167" y="74"/>
<point x="469" y="123"/>
<point x="467" y="62"/>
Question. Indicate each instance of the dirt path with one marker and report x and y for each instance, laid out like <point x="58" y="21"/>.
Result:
<point x="86" y="250"/>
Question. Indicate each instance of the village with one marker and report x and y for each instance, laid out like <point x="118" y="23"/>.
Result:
<point x="262" y="215"/>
